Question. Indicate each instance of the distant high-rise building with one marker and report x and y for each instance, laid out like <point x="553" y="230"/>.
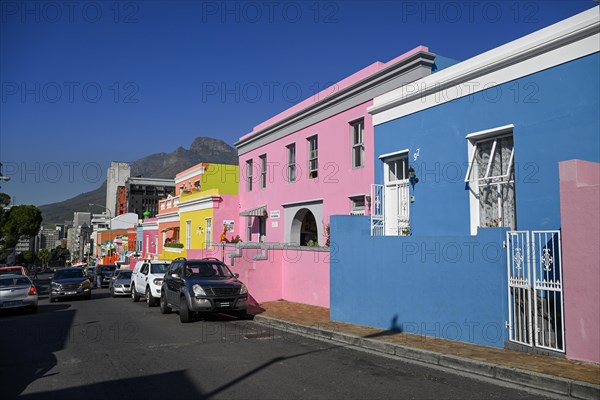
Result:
<point x="143" y="194"/>
<point x="117" y="174"/>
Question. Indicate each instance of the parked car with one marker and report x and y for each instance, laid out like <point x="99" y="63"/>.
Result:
<point x="69" y="282"/>
<point x="206" y="285"/>
<point x="120" y="283"/>
<point x="14" y="270"/>
<point x="18" y="291"/>
<point x="147" y="279"/>
<point x="103" y="273"/>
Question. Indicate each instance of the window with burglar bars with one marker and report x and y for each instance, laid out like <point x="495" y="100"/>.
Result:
<point x="291" y="166"/>
<point x="492" y="182"/>
<point x="263" y="171"/>
<point x="358" y="144"/>
<point x="249" y="175"/>
<point x="313" y="157"/>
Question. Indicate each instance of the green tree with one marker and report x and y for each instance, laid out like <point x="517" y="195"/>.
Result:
<point x="4" y="200"/>
<point x="26" y="258"/>
<point x="59" y="255"/>
<point x="21" y="221"/>
<point x="44" y="256"/>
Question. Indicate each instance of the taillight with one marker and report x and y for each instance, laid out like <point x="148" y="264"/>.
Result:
<point x="32" y="291"/>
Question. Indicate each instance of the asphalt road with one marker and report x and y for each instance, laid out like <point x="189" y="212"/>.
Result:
<point x="107" y="348"/>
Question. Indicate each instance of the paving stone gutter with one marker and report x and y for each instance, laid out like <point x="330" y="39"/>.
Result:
<point x="549" y="384"/>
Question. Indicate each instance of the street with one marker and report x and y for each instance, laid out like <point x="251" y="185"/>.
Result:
<point x="112" y="348"/>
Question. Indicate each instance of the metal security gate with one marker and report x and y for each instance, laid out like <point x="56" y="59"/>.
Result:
<point x="377" y="215"/>
<point x="535" y="295"/>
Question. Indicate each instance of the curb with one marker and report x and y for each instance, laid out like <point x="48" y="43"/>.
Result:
<point x="519" y="377"/>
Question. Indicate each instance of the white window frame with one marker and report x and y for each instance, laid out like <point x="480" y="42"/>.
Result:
<point x="249" y="229"/>
<point x="208" y="233"/>
<point x="291" y="165"/>
<point x="188" y="234"/>
<point x="263" y="171"/>
<point x="358" y="144"/>
<point x="313" y="156"/>
<point x="357" y="210"/>
<point x="249" y="171"/>
<point x="473" y="139"/>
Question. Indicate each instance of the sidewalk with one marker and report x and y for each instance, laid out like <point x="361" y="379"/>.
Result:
<point x="549" y="374"/>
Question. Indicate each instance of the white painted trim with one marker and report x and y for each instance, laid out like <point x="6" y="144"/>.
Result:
<point x="171" y="218"/>
<point x="297" y="203"/>
<point x="396" y="153"/>
<point x="190" y="175"/>
<point x="565" y="41"/>
<point x="490" y="132"/>
<point x="203" y="203"/>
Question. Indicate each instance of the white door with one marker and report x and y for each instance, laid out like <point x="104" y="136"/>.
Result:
<point x="397" y="195"/>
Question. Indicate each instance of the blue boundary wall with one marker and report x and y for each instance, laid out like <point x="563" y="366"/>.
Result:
<point x="451" y="287"/>
<point x="555" y="117"/>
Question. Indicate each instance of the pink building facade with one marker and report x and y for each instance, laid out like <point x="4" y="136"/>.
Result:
<point x="580" y="220"/>
<point x="315" y="159"/>
<point x="150" y="238"/>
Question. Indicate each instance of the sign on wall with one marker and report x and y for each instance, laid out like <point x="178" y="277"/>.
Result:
<point x="274" y="214"/>
<point x="229" y="224"/>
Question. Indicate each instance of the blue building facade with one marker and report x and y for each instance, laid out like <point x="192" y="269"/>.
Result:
<point x="462" y="157"/>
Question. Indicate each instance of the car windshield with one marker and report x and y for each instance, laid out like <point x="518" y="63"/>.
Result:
<point x="110" y="268"/>
<point x="208" y="270"/>
<point x="124" y="275"/>
<point x="158" y="268"/>
<point x="5" y="282"/>
<point x="69" y="273"/>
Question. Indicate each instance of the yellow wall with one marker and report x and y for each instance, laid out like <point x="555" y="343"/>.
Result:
<point x="198" y="218"/>
<point x="221" y="176"/>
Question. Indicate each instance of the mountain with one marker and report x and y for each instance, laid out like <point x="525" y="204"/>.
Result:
<point x="159" y="165"/>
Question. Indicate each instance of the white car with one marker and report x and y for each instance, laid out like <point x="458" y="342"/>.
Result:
<point x="146" y="280"/>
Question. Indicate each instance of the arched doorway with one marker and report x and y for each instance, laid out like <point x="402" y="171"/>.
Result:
<point x="304" y="228"/>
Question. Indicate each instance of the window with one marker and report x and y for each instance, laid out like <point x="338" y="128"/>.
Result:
<point x="291" y="168"/>
<point x="197" y="185"/>
<point x="358" y="144"/>
<point x="208" y="231"/>
<point x="249" y="229"/>
<point x="357" y="205"/>
<point x="249" y="175"/>
<point x="398" y="169"/>
<point x="188" y="233"/>
<point x="263" y="171"/>
<point x="491" y="182"/>
<point x="313" y="157"/>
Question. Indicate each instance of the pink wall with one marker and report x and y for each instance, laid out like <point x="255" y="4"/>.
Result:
<point x="580" y="224"/>
<point x="150" y="236"/>
<point x="301" y="276"/>
<point x="227" y="209"/>
<point x="337" y="179"/>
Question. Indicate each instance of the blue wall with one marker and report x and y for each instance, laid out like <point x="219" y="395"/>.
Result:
<point x="556" y="118"/>
<point x="451" y="287"/>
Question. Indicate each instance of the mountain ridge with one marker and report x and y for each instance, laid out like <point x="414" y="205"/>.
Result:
<point x="157" y="165"/>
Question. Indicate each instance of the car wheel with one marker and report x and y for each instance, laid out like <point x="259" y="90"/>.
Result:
<point x="164" y="308"/>
<point x="184" y="311"/>
<point x="150" y="300"/>
<point x="134" y="296"/>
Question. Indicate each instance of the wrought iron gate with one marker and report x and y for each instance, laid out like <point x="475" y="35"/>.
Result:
<point x="535" y="295"/>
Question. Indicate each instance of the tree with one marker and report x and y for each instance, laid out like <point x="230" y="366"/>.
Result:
<point x="20" y="221"/>
<point x="44" y="256"/>
<point x="4" y="200"/>
<point x="60" y="255"/>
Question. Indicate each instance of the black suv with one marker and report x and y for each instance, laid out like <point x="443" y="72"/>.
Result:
<point x="206" y="285"/>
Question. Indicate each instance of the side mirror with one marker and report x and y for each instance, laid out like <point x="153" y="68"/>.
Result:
<point x="236" y="275"/>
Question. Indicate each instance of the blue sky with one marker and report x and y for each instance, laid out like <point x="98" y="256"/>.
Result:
<point x="83" y="84"/>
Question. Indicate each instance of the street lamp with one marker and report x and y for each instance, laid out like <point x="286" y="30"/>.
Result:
<point x="109" y="226"/>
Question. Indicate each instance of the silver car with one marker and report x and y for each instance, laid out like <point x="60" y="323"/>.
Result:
<point x="120" y="283"/>
<point x="18" y="291"/>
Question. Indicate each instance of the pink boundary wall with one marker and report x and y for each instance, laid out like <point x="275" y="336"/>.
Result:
<point x="301" y="276"/>
<point x="580" y="223"/>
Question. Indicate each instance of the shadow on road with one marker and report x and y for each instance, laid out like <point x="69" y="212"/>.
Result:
<point x="28" y="343"/>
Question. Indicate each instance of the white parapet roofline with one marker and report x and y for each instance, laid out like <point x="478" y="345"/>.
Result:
<point x="556" y="44"/>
